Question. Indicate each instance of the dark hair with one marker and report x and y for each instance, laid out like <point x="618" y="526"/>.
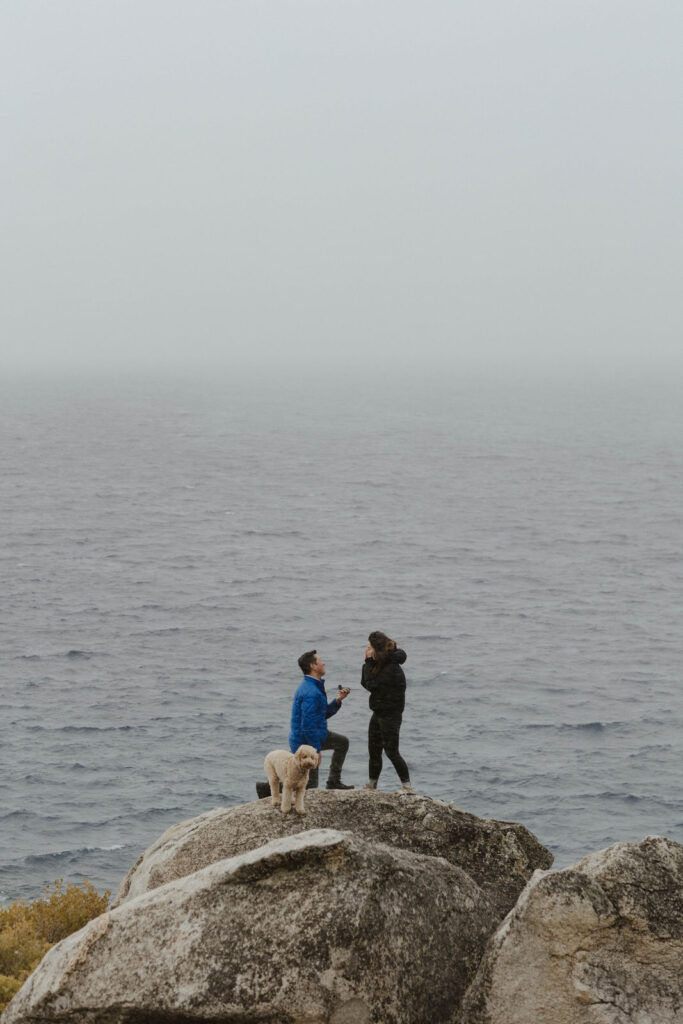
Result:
<point x="383" y="646"/>
<point x="306" y="660"/>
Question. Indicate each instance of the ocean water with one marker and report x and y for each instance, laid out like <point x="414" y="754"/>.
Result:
<point x="171" y="545"/>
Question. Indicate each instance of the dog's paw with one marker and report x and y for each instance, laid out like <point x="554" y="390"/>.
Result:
<point x="298" y="811"/>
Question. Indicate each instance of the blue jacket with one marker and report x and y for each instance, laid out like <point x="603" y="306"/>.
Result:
<point x="310" y="711"/>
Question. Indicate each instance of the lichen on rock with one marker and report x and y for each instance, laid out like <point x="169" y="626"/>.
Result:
<point x="600" y="942"/>
<point x="319" y="926"/>
<point x="500" y="856"/>
<point x="375" y="909"/>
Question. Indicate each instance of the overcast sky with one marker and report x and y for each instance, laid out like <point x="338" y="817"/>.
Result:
<point x="339" y="179"/>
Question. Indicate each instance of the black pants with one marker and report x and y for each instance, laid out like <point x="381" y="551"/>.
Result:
<point x="340" y="745"/>
<point x="383" y="736"/>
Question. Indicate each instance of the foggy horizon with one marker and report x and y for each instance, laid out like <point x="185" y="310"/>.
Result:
<point x="343" y="186"/>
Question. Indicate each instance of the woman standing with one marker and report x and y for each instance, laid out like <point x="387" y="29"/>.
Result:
<point x="383" y="676"/>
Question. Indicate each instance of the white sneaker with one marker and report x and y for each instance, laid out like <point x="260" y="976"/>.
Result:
<point x="406" y="788"/>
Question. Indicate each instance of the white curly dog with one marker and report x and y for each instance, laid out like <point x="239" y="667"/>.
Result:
<point x="292" y="771"/>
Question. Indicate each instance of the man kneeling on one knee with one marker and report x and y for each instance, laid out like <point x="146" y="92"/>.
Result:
<point x="310" y="711"/>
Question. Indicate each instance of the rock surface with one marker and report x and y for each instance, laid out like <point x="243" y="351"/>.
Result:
<point x="320" y="927"/>
<point x="500" y="856"/>
<point x="598" y="943"/>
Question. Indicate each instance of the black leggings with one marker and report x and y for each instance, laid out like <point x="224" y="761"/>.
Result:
<point x="383" y="736"/>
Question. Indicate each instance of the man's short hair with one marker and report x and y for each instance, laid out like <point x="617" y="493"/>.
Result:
<point x="306" y="661"/>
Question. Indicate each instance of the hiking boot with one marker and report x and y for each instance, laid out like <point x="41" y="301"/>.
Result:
<point x="337" y="784"/>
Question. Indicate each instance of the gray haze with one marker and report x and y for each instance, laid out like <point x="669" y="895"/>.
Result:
<point x="293" y="181"/>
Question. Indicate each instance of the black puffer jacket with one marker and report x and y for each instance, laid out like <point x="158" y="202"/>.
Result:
<point x="388" y="687"/>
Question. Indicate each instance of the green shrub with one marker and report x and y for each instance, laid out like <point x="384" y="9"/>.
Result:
<point x="28" y="930"/>
<point x="63" y="910"/>
<point x="8" y="989"/>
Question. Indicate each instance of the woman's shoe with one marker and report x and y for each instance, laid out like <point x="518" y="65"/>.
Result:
<point x="370" y="784"/>
<point x="406" y="788"/>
